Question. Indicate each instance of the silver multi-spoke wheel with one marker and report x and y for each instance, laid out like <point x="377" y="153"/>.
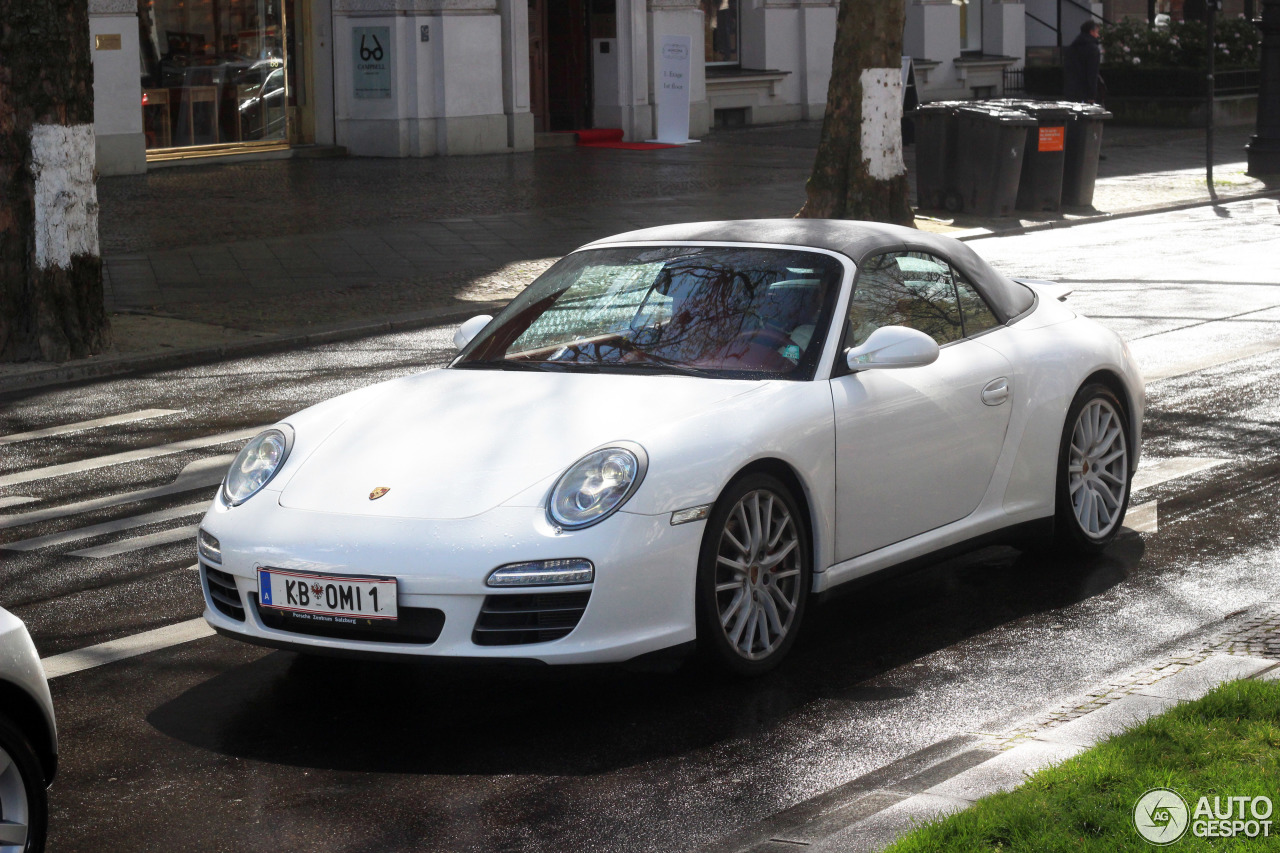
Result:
<point x="1098" y="468"/>
<point x="758" y="577"/>
<point x="14" y="806"/>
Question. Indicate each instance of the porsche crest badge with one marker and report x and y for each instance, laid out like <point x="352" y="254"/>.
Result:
<point x="378" y="492"/>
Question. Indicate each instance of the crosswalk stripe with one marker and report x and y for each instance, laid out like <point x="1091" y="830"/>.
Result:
<point x="126" y="418"/>
<point x="201" y="473"/>
<point x="15" y="500"/>
<point x="1142" y="518"/>
<point x="107" y="527"/>
<point x="56" y="666"/>
<point x="1153" y="471"/>
<point x="137" y="543"/>
<point x="20" y="477"/>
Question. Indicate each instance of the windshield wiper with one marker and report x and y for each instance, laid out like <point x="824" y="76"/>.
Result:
<point x="658" y="367"/>
<point x="543" y="366"/>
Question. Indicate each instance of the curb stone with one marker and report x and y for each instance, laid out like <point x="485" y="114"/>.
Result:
<point x="984" y="233"/>
<point x="870" y="812"/>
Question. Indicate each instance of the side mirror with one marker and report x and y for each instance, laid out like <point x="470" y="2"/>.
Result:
<point x="892" y="347"/>
<point x="469" y="330"/>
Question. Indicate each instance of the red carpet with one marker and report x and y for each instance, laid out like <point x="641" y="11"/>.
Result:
<point x="611" y="137"/>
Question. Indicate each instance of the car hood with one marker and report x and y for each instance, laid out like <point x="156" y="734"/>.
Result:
<point x="456" y="443"/>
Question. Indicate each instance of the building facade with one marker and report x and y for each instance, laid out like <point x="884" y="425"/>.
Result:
<point x="180" y="79"/>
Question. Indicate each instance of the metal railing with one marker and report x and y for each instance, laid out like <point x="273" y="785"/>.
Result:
<point x="1242" y="81"/>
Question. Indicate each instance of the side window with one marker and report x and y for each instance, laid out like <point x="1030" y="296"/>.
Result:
<point x="910" y="289"/>
<point x="973" y="308"/>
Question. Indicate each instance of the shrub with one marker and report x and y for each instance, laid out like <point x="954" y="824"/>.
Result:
<point x="1180" y="45"/>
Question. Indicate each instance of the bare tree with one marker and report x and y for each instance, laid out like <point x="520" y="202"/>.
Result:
<point x="859" y="173"/>
<point x="51" y="301"/>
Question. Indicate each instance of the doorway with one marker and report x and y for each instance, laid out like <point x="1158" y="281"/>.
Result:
<point x="560" y="64"/>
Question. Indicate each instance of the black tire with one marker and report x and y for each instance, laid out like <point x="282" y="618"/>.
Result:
<point x="1070" y="533"/>
<point x="23" y="778"/>
<point x="758" y="579"/>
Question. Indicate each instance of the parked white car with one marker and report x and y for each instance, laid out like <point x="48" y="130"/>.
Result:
<point x="28" y="741"/>
<point x="678" y="435"/>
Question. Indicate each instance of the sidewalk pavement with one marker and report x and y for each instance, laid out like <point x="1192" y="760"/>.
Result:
<point x="206" y="262"/>
<point x="868" y="813"/>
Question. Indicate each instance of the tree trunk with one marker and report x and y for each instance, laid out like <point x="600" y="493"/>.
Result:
<point x="51" y="300"/>
<point x="858" y="172"/>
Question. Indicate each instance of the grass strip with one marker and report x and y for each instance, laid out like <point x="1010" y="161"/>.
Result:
<point x="1226" y="744"/>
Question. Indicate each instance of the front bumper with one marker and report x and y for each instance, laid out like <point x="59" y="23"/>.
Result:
<point x="641" y="601"/>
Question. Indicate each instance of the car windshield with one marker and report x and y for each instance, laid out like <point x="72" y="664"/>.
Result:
<point x="729" y="312"/>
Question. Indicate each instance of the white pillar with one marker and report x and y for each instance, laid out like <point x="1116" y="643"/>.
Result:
<point x="117" y="87"/>
<point x="515" y="73"/>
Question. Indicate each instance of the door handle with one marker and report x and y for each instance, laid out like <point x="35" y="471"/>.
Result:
<point x="995" y="392"/>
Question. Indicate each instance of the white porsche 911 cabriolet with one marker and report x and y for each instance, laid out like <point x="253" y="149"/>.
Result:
<point x="677" y="436"/>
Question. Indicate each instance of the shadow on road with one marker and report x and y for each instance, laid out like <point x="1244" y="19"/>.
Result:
<point x="403" y="718"/>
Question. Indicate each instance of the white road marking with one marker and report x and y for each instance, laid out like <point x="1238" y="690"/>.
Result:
<point x="126" y="418"/>
<point x="1152" y="471"/>
<point x="202" y="472"/>
<point x="128" y="456"/>
<point x="137" y="543"/>
<point x="1142" y="518"/>
<point x="107" y="527"/>
<point x="111" y="651"/>
<point x="1194" y="365"/>
<point x="15" y="500"/>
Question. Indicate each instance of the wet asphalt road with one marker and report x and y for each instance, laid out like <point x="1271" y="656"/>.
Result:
<point x="214" y="745"/>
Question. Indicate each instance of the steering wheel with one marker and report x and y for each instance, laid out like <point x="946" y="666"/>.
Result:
<point x="767" y="337"/>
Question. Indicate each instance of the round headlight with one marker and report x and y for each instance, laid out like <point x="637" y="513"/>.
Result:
<point x="596" y="486"/>
<point x="256" y="464"/>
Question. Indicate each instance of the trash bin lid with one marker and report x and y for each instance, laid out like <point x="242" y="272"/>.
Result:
<point x="1092" y="111"/>
<point x="1039" y="109"/>
<point x="996" y="114"/>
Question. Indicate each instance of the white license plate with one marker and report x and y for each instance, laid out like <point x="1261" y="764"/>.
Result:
<point x="328" y="595"/>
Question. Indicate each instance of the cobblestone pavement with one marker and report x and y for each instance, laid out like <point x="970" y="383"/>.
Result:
<point x="1253" y="634"/>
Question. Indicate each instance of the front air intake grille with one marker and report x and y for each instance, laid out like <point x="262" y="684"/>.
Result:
<point x="513" y="620"/>
<point x="223" y="593"/>
<point x="416" y="625"/>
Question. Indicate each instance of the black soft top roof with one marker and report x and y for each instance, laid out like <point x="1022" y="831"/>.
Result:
<point x="855" y="240"/>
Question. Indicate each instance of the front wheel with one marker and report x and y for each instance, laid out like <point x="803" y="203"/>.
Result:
<point x="1093" y="471"/>
<point x="754" y="573"/>
<point x="23" y="799"/>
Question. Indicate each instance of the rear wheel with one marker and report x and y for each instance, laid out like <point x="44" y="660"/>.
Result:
<point x="1093" y="471"/>
<point x="754" y="573"/>
<point x="23" y="799"/>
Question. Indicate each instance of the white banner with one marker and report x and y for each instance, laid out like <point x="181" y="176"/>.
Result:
<point x="671" y="89"/>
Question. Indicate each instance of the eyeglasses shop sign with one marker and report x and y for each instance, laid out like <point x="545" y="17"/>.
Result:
<point x="371" y="61"/>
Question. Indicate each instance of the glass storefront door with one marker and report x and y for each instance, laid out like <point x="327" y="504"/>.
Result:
<point x="214" y="72"/>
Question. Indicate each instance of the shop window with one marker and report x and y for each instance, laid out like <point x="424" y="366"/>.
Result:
<point x="720" y="31"/>
<point x="213" y="72"/>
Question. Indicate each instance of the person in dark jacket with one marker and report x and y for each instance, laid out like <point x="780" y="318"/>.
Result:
<point x="1080" y="65"/>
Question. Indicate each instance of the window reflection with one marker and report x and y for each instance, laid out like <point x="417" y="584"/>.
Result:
<point x="213" y="71"/>
<point x="911" y="289"/>
<point x="725" y="310"/>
